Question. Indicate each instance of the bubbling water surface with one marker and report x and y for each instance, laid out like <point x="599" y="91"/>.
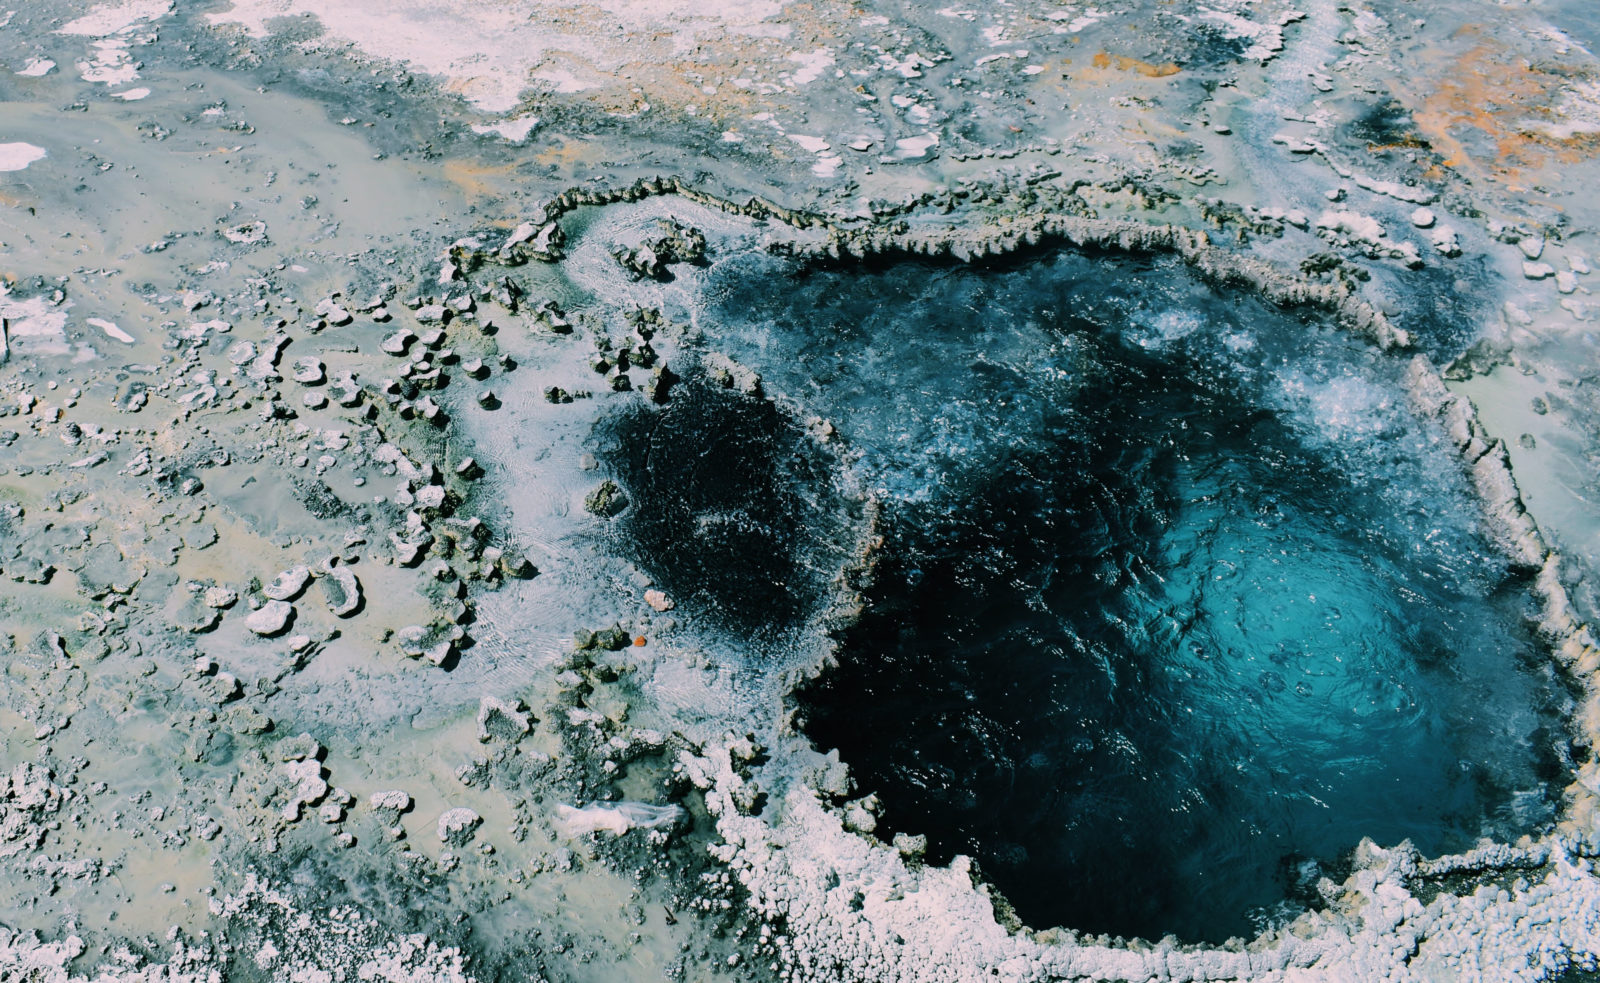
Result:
<point x="1176" y="601"/>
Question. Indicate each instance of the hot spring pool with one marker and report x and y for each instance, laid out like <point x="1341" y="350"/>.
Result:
<point x="1176" y="601"/>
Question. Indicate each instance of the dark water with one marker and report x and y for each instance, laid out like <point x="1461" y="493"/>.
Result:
<point x="1176" y="603"/>
<point x="735" y="512"/>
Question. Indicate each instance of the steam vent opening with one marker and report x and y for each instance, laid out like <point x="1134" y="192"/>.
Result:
<point x="1176" y="600"/>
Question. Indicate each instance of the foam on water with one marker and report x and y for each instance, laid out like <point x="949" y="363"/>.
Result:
<point x="1168" y="327"/>
<point x="1176" y="602"/>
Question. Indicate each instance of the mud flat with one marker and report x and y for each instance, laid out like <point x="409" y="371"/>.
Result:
<point x="440" y="460"/>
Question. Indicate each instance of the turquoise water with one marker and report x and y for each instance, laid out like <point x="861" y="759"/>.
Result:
<point x="1176" y="603"/>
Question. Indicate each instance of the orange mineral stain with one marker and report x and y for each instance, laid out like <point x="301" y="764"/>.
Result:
<point x="1480" y="105"/>
<point x="1123" y="63"/>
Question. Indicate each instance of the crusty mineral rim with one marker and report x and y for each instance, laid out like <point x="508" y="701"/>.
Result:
<point x="1516" y="533"/>
<point x="1026" y="230"/>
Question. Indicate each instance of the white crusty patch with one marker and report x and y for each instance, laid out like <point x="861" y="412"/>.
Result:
<point x="488" y="52"/>
<point x="513" y="130"/>
<point x="1576" y="114"/>
<point x="111" y="329"/>
<point x="35" y="326"/>
<point x="115" y="18"/>
<point x="16" y="156"/>
<point x="1266" y="38"/>
<point x="812" y="65"/>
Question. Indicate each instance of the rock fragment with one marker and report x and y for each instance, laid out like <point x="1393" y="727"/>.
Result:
<point x="731" y="375"/>
<point x="503" y="719"/>
<point x="301" y="747"/>
<point x="346" y="391"/>
<point x="430" y="496"/>
<point x="342" y="591"/>
<point x="433" y="642"/>
<point x="515" y="564"/>
<point x="248" y="234"/>
<point x="289" y="584"/>
<point x="389" y="805"/>
<point x="329" y="310"/>
<point x="271" y="619"/>
<point x="248" y="721"/>
<point x="308" y="371"/>
<point x="607" y="500"/>
<point x="456" y="826"/>
<point x="399" y="342"/>
<point x="303" y="786"/>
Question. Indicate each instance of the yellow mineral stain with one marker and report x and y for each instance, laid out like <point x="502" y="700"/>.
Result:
<point x="479" y="180"/>
<point x="1123" y="63"/>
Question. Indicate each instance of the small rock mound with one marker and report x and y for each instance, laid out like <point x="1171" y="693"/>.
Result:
<point x="456" y="826"/>
<point x="271" y="619"/>
<point x="342" y="590"/>
<point x="289" y="584"/>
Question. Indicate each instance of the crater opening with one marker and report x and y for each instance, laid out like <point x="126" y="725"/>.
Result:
<point x="1176" y="600"/>
<point x="735" y="511"/>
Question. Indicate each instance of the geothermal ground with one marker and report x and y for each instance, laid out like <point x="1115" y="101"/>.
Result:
<point x="515" y="490"/>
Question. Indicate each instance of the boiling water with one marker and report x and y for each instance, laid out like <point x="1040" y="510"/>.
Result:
<point x="1176" y="601"/>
